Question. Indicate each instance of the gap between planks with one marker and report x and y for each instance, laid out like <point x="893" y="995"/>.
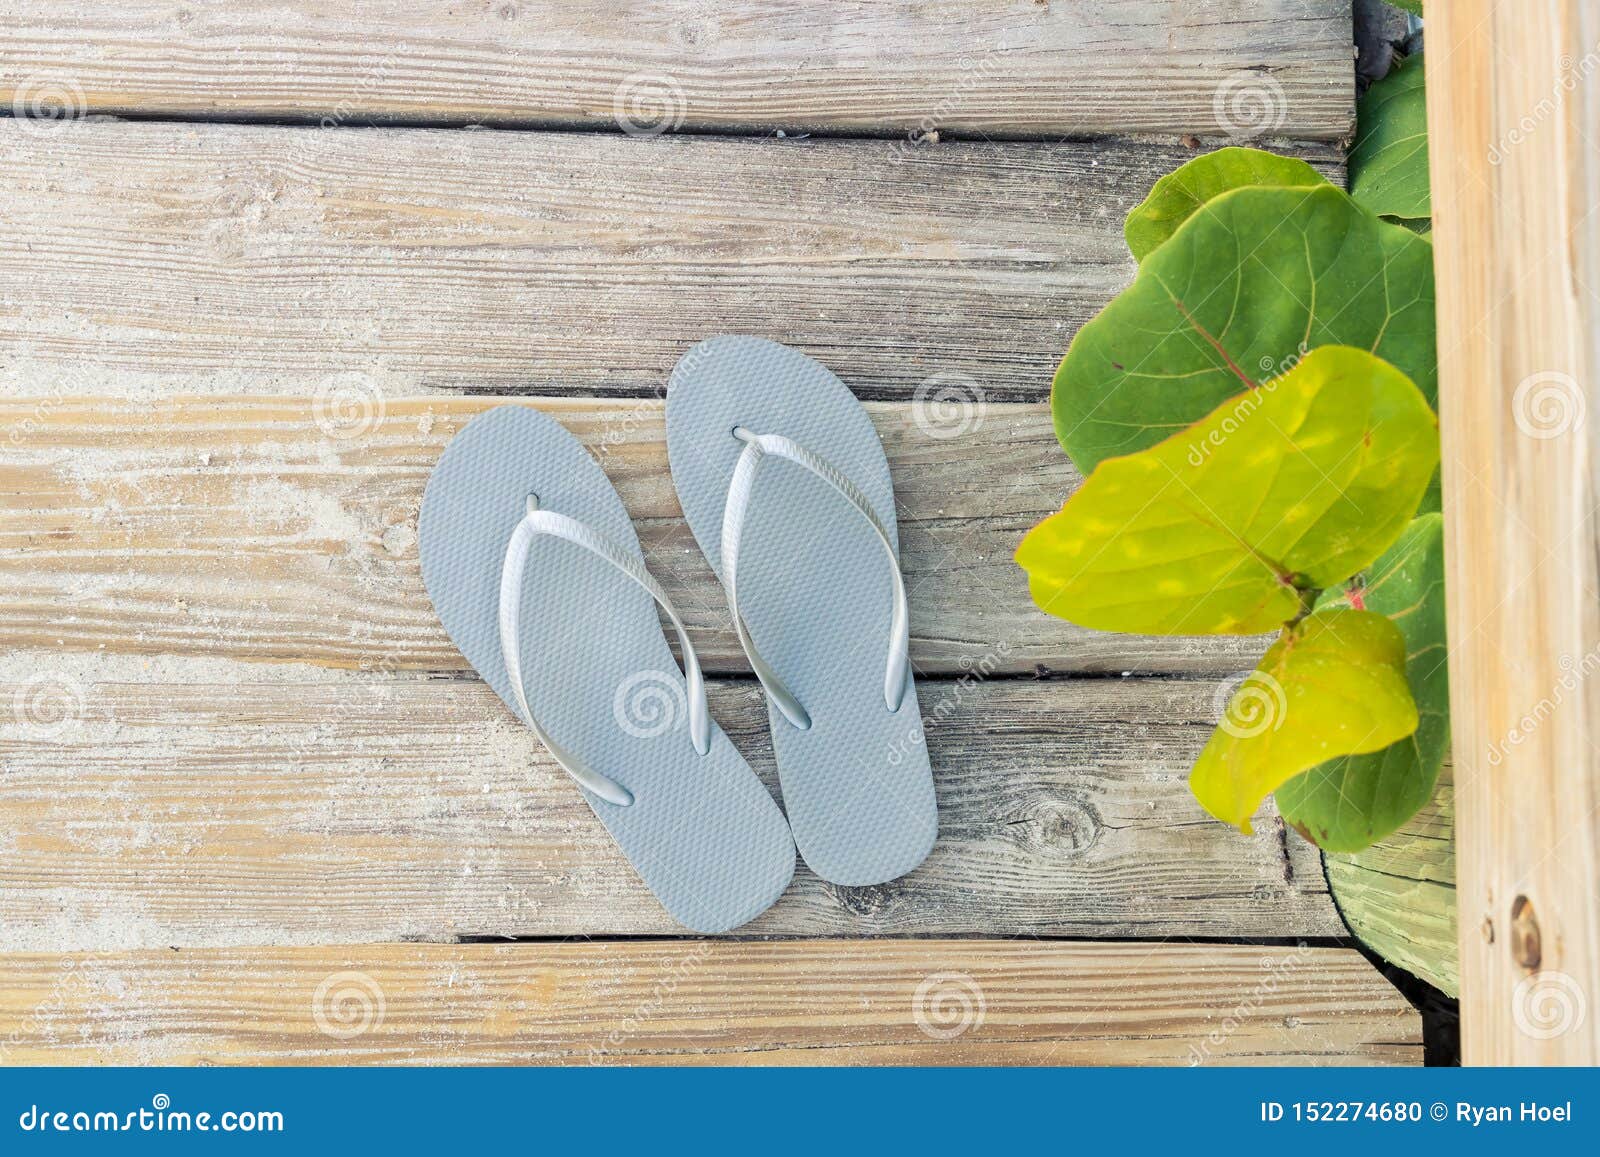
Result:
<point x="1005" y="68"/>
<point x="285" y="530"/>
<point x="146" y="795"/>
<point x="252" y="260"/>
<point x="709" y="1002"/>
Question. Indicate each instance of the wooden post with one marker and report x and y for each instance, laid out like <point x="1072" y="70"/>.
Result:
<point x="1514" y="126"/>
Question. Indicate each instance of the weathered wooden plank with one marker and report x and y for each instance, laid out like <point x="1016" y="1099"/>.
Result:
<point x="1002" y="68"/>
<point x="1514" y="146"/>
<point x="1399" y="896"/>
<point x="145" y="796"/>
<point x="256" y="260"/>
<point x="889" y="1002"/>
<point x="286" y="530"/>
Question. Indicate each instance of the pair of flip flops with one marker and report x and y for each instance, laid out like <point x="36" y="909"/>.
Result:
<point x="534" y="568"/>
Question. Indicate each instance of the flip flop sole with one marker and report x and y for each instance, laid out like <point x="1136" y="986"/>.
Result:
<point x="816" y="596"/>
<point x="703" y="832"/>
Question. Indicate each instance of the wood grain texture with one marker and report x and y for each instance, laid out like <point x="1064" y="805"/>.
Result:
<point x="1003" y="68"/>
<point x="923" y="1002"/>
<point x="146" y="796"/>
<point x="235" y="849"/>
<point x="1399" y="896"/>
<point x="286" y="530"/>
<point x="258" y="260"/>
<point x="1514" y="140"/>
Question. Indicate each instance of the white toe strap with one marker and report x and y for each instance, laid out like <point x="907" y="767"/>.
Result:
<point x="757" y="447"/>
<point x="547" y="522"/>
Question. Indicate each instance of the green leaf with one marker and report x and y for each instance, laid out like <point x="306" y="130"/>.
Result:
<point x="1412" y="6"/>
<point x="1349" y="803"/>
<point x="1174" y="198"/>
<point x="1333" y="684"/>
<point x="1389" y="163"/>
<point x="1224" y="528"/>
<point x="1252" y="279"/>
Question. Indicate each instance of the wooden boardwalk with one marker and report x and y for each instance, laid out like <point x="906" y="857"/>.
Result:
<point x="246" y="302"/>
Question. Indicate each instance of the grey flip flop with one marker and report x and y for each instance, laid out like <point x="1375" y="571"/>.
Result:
<point x="536" y="573"/>
<point x="785" y="485"/>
